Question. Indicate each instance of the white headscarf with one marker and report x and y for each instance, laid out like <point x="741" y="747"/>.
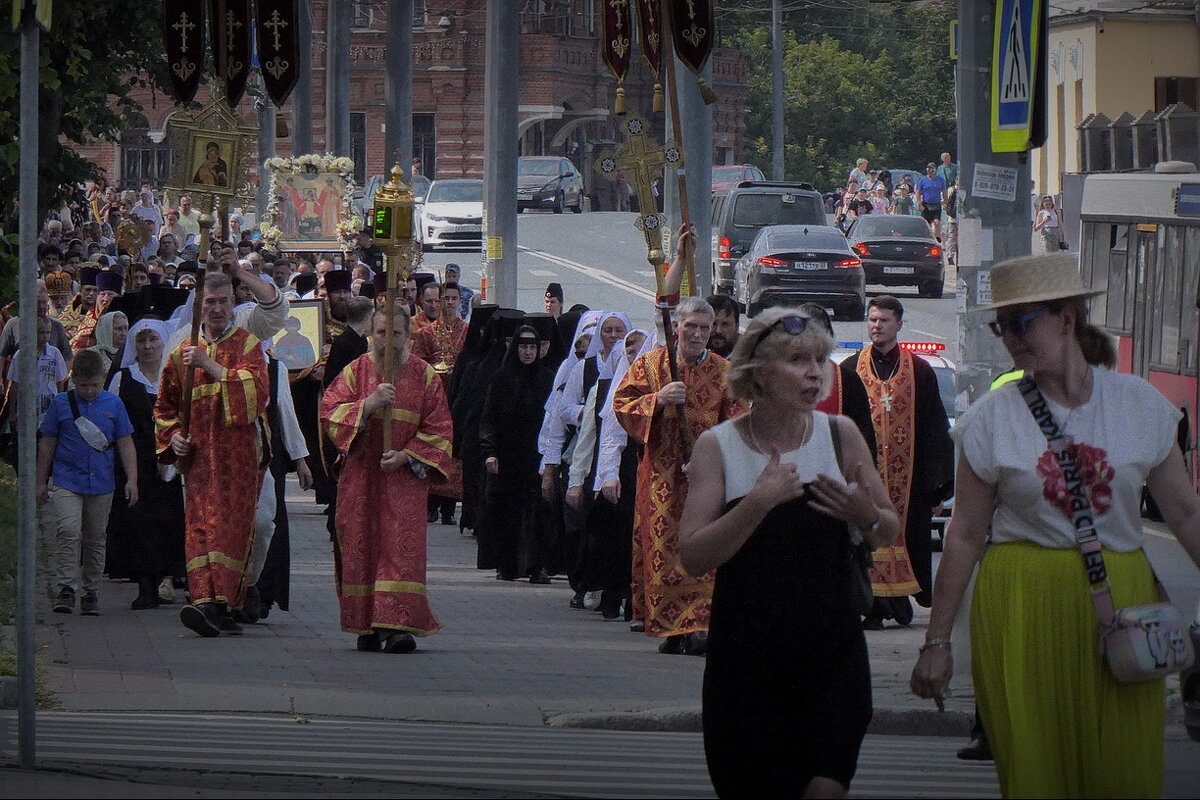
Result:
<point x="596" y="343"/>
<point x="129" y="355"/>
<point x="104" y="333"/>
<point x="612" y="438"/>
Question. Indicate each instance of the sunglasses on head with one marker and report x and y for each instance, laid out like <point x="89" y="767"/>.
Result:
<point x="793" y="324"/>
<point x="1018" y="324"/>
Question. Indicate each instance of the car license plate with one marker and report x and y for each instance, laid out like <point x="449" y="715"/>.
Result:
<point x="809" y="264"/>
<point x="462" y="229"/>
<point x="897" y="270"/>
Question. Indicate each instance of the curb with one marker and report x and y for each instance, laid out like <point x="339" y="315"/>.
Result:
<point x="886" y="721"/>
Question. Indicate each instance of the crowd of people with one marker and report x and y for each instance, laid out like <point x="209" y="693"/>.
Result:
<point x="706" y="486"/>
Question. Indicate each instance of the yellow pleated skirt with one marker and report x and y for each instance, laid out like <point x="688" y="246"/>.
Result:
<point x="1058" y="723"/>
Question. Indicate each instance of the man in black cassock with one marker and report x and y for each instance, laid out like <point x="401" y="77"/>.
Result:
<point x="914" y="453"/>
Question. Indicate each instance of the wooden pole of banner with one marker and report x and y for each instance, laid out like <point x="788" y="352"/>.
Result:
<point x="185" y="409"/>
<point x="668" y="57"/>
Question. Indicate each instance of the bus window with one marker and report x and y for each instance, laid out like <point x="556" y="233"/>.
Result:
<point x="1093" y="267"/>
<point x="1117" y="311"/>
<point x="1165" y="335"/>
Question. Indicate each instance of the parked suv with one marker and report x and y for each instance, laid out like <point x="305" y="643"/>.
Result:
<point x="741" y="211"/>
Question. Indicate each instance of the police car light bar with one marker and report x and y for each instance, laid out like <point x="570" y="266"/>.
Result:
<point x="912" y="347"/>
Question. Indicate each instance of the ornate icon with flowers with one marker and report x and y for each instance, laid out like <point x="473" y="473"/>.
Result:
<point x="310" y="206"/>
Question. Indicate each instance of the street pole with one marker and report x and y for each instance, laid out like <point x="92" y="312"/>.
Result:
<point x="777" y="128"/>
<point x="500" y="98"/>
<point x="989" y="230"/>
<point x="27" y="228"/>
<point x="339" y="18"/>
<point x="397" y="87"/>
<point x="696" y="128"/>
<point x="302" y="102"/>
<point x="266" y="149"/>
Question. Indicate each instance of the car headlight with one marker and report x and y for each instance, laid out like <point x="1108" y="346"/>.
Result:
<point x="433" y="217"/>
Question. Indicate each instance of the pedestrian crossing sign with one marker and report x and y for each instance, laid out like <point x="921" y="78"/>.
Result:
<point x="1018" y="76"/>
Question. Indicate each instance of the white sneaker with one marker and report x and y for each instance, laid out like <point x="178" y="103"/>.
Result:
<point x="166" y="590"/>
<point x="591" y="601"/>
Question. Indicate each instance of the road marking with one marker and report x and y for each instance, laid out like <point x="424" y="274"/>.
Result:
<point x="542" y="273"/>
<point x="648" y="273"/>
<point x="592" y="272"/>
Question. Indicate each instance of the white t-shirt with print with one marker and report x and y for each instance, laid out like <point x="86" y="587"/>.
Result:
<point x="52" y="369"/>
<point x="1124" y="430"/>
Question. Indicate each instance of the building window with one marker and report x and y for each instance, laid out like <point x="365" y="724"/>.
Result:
<point x="358" y="145"/>
<point x="425" y="143"/>
<point x="1168" y="91"/>
<point x="363" y="14"/>
<point x="142" y="159"/>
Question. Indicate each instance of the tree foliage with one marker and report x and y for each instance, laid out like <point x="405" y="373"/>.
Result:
<point x="861" y="80"/>
<point x="84" y="93"/>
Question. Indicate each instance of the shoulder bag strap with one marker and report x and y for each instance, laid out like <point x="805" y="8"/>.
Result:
<point x="836" y="436"/>
<point x="1082" y="519"/>
<point x="74" y="404"/>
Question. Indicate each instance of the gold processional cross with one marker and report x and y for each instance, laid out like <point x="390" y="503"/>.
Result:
<point x="641" y="159"/>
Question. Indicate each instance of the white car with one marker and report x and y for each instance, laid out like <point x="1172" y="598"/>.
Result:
<point x="452" y="214"/>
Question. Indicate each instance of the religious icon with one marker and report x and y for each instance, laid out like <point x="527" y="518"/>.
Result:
<point x="212" y="160"/>
<point x="213" y="170"/>
<point x="303" y="335"/>
<point x="309" y="208"/>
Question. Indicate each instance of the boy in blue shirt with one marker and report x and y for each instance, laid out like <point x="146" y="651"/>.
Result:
<point x="78" y="433"/>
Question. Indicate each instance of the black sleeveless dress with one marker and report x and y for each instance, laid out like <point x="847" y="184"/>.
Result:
<point x="787" y="684"/>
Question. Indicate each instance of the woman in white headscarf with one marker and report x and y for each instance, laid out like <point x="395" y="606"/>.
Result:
<point x="145" y="540"/>
<point x="111" y="333"/>
<point x="605" y="470"/>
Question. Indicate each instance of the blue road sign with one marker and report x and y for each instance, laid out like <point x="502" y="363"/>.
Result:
<point x="1014" y="71"/>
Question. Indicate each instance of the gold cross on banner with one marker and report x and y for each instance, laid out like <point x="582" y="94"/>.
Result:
<point x="183" y="26"/>
<point x="274" y="25"/>
<point x="643" y="161"/>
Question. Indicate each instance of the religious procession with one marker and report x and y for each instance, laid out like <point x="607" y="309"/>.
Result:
<point x="735" y="454"/>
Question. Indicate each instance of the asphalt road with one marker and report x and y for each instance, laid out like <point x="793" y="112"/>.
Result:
<point x="600" y="260"/>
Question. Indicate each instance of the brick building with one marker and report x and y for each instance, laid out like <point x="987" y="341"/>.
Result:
<point x="565" y="107"/>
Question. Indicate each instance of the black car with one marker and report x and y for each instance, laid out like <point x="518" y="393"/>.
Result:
<point x="792" y="264"/>
<point x="548" y="182"/>
<point x="899" y="250"/>
<point x="741" y="211"/>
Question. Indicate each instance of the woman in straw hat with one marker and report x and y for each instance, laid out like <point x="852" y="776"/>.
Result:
<point x="1059" y="724"/>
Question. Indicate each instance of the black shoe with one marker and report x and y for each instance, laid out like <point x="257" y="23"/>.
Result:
<point x="432" y="517"/>
<point x="147" y="595"/>
<point x="65" y="602"/>
<point x="539" y="577"/>
<point x="977" y="749"/>
<point x="902" y="610"/>
<point x="696" y="644"/>
<point x="369" y="643"/>
<point x="89" y="606"/>
<point x="399" y="642"/>
<point x="672" y="645"/>
<point x="610" y="605"/>
<point x="872" y="622"/>
<point x="449" y="520"/>
<point x="252" y="606"/>
<point x="577" y="600"/>
<point x="637" y="626"/>
<point x="230" y="626"/>
<point x="200" y="620"/>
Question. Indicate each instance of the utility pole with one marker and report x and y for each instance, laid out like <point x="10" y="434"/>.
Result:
<point x="302" y="100"/>
<point x="696" y="127"/>
<point x="27" y="228"/>
<point x="777" y="127"/>
<point x="338" y="20"/>
<point x="989" y="229"/>
<point x="397" y="87"/>
<point x="501" y="95"/>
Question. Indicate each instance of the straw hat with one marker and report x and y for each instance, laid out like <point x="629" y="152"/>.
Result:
<point x="1036" y="279"/>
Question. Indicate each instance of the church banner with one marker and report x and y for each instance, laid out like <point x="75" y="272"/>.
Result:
<point x="183" y="35"/>
<point x="650" y="33"/>
<point x="278" y="44"/>
<point x="231" y="45"/>
<point x="693" y="31"/>
<point x="617" y="45"/>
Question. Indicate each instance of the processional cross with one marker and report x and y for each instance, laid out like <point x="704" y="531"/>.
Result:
<point x="644" y="161"/>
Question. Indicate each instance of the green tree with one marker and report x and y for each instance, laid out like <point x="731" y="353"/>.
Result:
<point x="866" y="80"/>
<point x="84" y="94"/>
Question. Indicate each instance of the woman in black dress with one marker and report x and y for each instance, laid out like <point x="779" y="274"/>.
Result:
<point x="145" y="540"/>
<point x="516" y="530"/>
<point x="787" y="686"/>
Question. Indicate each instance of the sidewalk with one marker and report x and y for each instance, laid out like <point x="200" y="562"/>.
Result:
<point x="510" y="653"/>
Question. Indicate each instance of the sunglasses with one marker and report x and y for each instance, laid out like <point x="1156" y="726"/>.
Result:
<point x="1018" y="325"/>
<point x="793" y="324"/>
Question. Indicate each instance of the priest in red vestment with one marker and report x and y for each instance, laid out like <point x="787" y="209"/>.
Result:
<point x="648" y="404"/>
<point x="380" y="549"/>
<point x="222" y="458"/>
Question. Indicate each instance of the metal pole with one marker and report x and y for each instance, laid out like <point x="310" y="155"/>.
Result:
<point x="501" y="96"/>
<point x="397" y="87"/>
<point x="777" y="126"/>
<point x="696" y="133"/>
<point x="266" y="149"/>
<point x="989" y="230"/>
<point x="302" y="99"/>
<point x="339" y="18"/>
<point x="27" y="528"/>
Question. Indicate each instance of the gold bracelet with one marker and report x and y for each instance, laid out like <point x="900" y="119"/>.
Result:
<point x="934" y="643"/>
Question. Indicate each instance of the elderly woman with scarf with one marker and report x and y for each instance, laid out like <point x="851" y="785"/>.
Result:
<point x="111" y="332"/>
<point x="145" y="541"/>
<point x="515" y="530"/>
